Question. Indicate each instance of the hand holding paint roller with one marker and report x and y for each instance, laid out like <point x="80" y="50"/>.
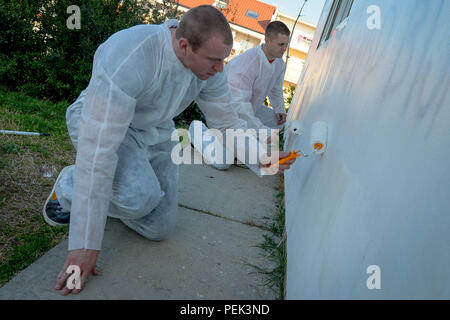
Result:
<point x="277" y="162"/>
<point x="291" y="156"/>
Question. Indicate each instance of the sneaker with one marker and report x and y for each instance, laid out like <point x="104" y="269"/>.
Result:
<point x="53" y="213"/>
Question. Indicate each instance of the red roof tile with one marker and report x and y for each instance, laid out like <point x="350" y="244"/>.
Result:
<point x="194" y="3"/>
<point x="236" y="11"/>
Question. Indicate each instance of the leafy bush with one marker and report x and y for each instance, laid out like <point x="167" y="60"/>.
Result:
<point x="42" y="57"/>
<point x="289" y="92"/>
<point x="191" y="113"/>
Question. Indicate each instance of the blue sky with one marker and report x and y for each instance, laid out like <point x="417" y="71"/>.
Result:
<point x="311" y="11"/>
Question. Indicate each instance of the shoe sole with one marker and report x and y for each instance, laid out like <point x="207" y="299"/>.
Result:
<point x="221" y="167"/>
<point x="44" y="213"/>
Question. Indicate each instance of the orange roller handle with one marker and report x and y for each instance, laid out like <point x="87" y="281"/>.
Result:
<point x="291" y="156"/>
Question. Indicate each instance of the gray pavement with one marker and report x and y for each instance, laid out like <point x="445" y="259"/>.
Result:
<point x="207" y="256"/>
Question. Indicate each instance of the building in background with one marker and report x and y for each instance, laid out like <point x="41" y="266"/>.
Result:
<point x="299" y="46"/>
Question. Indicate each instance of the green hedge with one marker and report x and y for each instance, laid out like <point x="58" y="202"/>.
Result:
<point x="41" y="57"/>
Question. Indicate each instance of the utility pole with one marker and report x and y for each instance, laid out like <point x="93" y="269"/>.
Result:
<point x="292" y="32"/>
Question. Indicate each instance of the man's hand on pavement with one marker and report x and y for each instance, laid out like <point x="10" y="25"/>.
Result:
<point x="281" y="118"/>
<point x="85" y="259"/>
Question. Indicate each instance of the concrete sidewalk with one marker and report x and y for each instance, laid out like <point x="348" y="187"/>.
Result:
<point x="220" y="214"/>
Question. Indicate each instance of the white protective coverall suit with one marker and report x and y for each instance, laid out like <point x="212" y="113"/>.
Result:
<point x="121" y="126"/>
<point x="252" y="78"/>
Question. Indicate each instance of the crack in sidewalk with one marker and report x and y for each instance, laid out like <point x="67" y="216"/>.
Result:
<point x="247" y="223"/>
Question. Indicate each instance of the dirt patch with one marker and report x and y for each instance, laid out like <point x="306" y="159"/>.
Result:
<point x="28" y="168"/>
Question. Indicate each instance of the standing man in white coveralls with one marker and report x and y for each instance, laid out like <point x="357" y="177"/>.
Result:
<point x="254" y="75"/>
<point x="121" y="126"/>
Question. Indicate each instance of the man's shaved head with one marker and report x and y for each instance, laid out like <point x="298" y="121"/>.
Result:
<point x="201" y="23"/>
<point x="276" y="27"/>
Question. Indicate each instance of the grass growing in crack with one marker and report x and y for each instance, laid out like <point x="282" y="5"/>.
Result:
<point x="274" y="246"/>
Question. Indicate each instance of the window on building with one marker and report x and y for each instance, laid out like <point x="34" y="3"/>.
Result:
<point x="245" y="45"/>
<point x="252" y="14"/>
<point x="294" y="69"/>
<point x="340" y="9"/>
<point x="222" y="4"/>
<point x="301" y="39"/>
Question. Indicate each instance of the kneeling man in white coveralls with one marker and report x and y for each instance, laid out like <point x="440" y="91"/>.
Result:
<point x="121" y="127"/>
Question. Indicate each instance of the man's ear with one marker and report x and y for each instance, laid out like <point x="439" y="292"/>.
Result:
<point x="266" y="39"/>
<point x="183" y="45"/>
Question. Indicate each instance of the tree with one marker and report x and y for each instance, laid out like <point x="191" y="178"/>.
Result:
<point x="42" y="57"/>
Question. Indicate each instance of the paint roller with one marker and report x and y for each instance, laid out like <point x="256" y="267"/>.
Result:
<point x="318" y="142"/>
<point x="319" y="136"/>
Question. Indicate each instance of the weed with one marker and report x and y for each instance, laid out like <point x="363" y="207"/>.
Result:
<point x="10" y="148"/>
<point x="274" y="245"/>
<point x="2" y="163"/>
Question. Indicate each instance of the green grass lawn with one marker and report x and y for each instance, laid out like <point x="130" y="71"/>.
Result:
<point x="29" y="166"/>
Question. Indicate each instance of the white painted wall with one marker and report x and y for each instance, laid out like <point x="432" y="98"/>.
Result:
<point x="380" y="194"/>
